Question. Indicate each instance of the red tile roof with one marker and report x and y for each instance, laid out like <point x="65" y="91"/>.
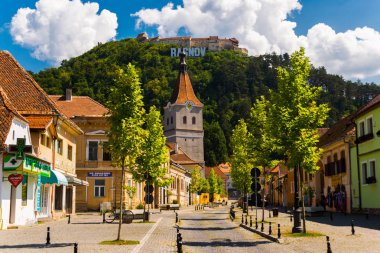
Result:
<point x="183" y="90"/>
<point x="180" y="157"/>
<point x="337" y="131"/>
<point x="79" y="106"/>
<point x="39" y="122"/>
<point x="7" y="113"/>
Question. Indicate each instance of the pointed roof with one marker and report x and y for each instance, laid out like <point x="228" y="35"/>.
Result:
<point x="183" y="90"/>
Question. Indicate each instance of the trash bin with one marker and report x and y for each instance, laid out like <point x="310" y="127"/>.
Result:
<point x="275" y="212"/>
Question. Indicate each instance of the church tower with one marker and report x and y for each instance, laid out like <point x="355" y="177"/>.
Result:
<point x="183" y="117"/>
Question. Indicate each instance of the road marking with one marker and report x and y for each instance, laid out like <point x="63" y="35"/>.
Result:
<point x="146" y="237"/>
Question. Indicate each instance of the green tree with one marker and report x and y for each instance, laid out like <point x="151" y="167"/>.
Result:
<point x="241" y="158"/>
<point x="197" y="181"/>
<point x="221" y="186"/>
<point x="154" y="157"/>
<point x="215" y="144"/>
<point x="298" y="117"/>
<point x="213" y="184"/>
<point x="126" y="121"/>
<point x="262" y="142"/>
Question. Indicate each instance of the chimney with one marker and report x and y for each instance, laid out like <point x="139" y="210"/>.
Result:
<point x="69" y="93"/>
<point x="176" y="148"/>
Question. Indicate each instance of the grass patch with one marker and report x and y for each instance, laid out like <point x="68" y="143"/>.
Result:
<point x="308" y="234"/>
<point x="119" y="242"/>
<point x="40" y="222"/>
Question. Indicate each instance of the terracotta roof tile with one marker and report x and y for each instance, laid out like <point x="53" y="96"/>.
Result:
<point x="79" y="106"/>
<point x="183" y="90"/>
<point x="39" y="121"/>
<point x="337" y="131"/>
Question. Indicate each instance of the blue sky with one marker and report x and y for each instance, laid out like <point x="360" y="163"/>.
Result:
<point x="333" y="51"/>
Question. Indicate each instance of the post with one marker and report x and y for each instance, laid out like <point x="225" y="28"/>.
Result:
<point x="75" y="247"/>
<point x="104" y="217"/>
<point x="246" y="219"/>
<point x="291" y="217"/>
<point x="256" y="223"/>
<point x="250" y="221"/>
<point x="48" y="236"/>
<point x="242" y="218"/>
<point x="68" y="221"/>
<point x="262" y="226"/>
<point x="176" y="217"/>
<point x="328" y="245"/>
<point x="270" y="228"/>
<point x="278" y="231"/>
<point x="297" y="216"/>
<point x="352" y="227"/>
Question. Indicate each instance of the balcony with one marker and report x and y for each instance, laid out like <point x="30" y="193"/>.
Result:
<point x="371" y="180"/>
<point x="335" y="168"/>
<point x="364" y="138"/>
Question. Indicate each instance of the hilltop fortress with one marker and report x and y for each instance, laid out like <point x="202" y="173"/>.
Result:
<point x="212" y="43"/>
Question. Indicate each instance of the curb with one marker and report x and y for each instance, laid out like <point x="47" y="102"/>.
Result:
<point x="269" y="237"/>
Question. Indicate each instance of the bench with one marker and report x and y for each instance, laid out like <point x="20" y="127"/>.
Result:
<point x="128" y="217"/>
<point x="169" y="207"/>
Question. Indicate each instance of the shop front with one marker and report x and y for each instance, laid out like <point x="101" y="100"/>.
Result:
<point x="21" y="192"/>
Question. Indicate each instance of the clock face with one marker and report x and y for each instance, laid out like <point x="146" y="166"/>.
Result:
<point x="189" y="105"/>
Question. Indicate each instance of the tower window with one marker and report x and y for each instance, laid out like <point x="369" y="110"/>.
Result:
<point x="184" y="120"/>
<point x="194" y="120"/>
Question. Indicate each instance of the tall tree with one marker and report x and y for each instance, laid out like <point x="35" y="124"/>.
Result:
<point x="298" y="117"/>
<point x="221" y="186"/>
<point x="241" y="158"/>
<point x="126" y="133"/>
<point x="154" y="156"/>
<point x="213" y="185"/>
<point x="262" y="142"/>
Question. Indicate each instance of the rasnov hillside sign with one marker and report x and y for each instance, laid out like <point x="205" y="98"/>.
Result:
<point x="189" y="51"/>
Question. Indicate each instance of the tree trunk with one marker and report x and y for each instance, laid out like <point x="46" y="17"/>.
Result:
<point x="263" y="196"/>
<point x="121" y="198"/>
<point x="302" y="201"/>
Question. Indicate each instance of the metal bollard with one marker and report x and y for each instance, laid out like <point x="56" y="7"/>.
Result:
<point x="262" y="226"/>
<point x="331" y="216"/>
<point x="328" y="245"/>
<point x="278" y="231"/>
<point x="246" y="220"/>
<point x="177" y="229"/>
<point x="48" y="236"/>
<point x="104" y="217"/>
<point x="69" y="220"/>
<point x="270" y="228"/>
<point x="250" y="221"/>
<point x="179" y="247"/>
<point x="75" y="247"/>
<point x="176" y="217"/>
<point x="256" y="223"/>
<point x="291" y="218"/>
<point x="352" y="227"/>
<point x="242" y="218"/>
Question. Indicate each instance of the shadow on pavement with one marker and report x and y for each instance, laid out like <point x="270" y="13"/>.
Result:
<point x="224" y="243"/>
<point x="87" y="223"/>
<point x="34" y="246"/>
<point x="207" y="228"/>
<point x="203" y="219"/>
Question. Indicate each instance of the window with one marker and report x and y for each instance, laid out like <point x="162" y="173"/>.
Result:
<point x="184" y="120"/>
<point x="194" y="120"/>
<point x="70" y="152"/>
<point x="361" y="128"/>
<point x="48" y="142"/>
<point x="99" y="188"/>
<point x="370" y="126"/>
<point x="106" y="153"/>
<point x="372" y="169"/>
<point x="364" y="172"/>
<point x="43" y="140"/>
<point x="92" y="150"/>
<point x="24" y="191"/>
<point x="59" y="146"/>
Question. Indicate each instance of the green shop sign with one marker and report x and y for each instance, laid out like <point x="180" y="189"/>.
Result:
<point x="29" y="165"/>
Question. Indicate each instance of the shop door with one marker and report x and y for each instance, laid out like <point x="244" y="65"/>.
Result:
<point x="69" y="199"/>
<point x="44" y="212"/>
<point x="12" y="208"/>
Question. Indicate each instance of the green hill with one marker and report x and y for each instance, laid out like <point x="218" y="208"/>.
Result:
<point x="226" y="82"/>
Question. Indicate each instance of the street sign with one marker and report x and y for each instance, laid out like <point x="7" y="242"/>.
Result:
<point x="15" y="179"/>
<point x="99" y="174"/>
<point x="150" y="190"/>
<point x="148" y="199"/>
<point x="255" y="172"/>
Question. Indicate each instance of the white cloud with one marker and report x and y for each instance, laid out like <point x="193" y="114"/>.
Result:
<point x="59" y="29"/>
<point x="262" y="27"/>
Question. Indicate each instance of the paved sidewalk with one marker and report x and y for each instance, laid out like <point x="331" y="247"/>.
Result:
<point x="88" y="230"/>
<point x="366" y="238"/>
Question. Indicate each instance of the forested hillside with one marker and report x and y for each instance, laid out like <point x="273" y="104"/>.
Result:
<point x="226" y="82"/>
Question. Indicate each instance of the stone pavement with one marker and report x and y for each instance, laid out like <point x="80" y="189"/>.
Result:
<point x="87" y="230"/>
<point x="366" y="238"/>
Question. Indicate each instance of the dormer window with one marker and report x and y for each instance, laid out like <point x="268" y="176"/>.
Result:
<point x="184" y="120"/>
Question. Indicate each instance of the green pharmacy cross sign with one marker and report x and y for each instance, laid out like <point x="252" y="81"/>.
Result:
<point x="20" y="148"/>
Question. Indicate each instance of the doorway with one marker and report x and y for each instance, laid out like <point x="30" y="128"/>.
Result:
<point x="69" y="199"/>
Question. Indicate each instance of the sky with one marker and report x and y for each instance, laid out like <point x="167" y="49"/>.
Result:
<point x="342" y="35"/>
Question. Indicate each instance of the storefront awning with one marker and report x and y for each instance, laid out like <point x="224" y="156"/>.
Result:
<point x="56" y="177"/>
<point x="76" y="181"/>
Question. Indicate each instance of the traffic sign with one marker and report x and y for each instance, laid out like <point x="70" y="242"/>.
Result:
<point x="255" y="187"/>
<point x="150" y="190"/>
<point x="255" y="172"/>
<point x="148" y="199"/>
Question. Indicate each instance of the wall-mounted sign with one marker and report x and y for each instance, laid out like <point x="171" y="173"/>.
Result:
<point x="20" y="148"/>
<point x="15" y="179"/>
<point x="33" y="165"/>
<point x="188" y="51"/>
<point x="11" y="162"/>
<point x="99" y="174"/>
